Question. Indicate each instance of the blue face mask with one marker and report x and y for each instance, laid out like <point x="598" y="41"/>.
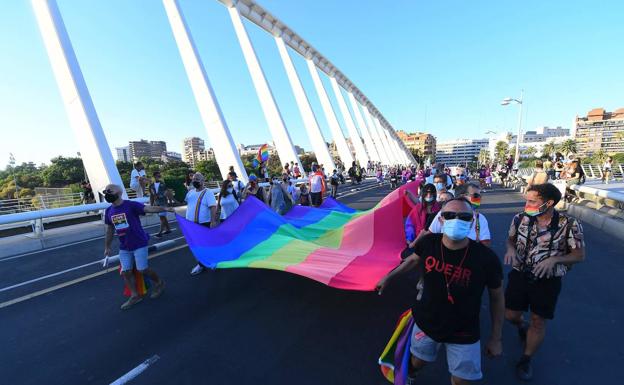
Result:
<point x="439" y="186"/>
<point x="429" y="199"/>
<point x="456" y="229"/>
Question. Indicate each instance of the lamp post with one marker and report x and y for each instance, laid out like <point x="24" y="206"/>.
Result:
<point x="506" y="102"/>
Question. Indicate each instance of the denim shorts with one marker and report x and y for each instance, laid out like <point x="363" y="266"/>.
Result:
<point x="464" y="360"/>
<point x="136" y="257"/>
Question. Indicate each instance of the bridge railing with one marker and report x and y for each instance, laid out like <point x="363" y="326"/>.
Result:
<point x="37" y="217"/>
<point x="601" y="198"/>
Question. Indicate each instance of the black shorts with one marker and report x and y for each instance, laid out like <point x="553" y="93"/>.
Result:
<point x="539" y="296"/>
<point x="316" y="198"/>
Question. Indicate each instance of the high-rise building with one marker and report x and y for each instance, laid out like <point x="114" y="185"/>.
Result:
<point x="421" y="141"/>
<point x="147" y="149"/>
<point x="123" y="154"/>
<point x="600" y="130"/>
<point x="459" y="151"/>
<point x="190" y="148"/>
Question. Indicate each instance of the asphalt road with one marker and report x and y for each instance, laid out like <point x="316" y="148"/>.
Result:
<point x="249" y="326"/>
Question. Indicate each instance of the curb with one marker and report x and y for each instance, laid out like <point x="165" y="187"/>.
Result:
<point x="610" y="225"/>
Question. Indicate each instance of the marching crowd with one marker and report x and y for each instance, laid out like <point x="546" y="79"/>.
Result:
<point x="447" y="241"/>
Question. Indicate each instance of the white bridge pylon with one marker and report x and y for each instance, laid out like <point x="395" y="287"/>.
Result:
<point x="376" y="140"/>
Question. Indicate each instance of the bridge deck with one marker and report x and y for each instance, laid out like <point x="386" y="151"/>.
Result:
<point x="259" y="326"/>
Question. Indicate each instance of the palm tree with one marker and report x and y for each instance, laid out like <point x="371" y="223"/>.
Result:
<point x="484" y="156"/>
<point x="600" y="156"/>
<point x="501" y="150"/>
<point x="568" y="147"/>
<point x="549" y="149"/>
<point x="530" y="151"/>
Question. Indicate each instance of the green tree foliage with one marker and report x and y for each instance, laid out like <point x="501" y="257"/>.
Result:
<point x="484" y="156"/>
<point x="568" y="147"/>
<point x="500" y="151"/>
<point x="549" y="149"/>
<point x="529" y="151"/>
<point x="63" y="172"/>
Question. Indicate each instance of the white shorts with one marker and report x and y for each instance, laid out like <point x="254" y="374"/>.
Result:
<point x="137" y="258"/>
<point x="464" y="360"/>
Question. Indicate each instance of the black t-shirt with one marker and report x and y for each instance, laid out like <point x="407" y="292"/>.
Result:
<point x="434" y="314"/>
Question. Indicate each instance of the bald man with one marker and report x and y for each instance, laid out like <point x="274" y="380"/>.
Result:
<point x="122" y="218"/>
<point x="455" y="272"/>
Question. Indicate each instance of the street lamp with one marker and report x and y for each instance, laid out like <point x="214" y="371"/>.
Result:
<point x="507" y="101"/>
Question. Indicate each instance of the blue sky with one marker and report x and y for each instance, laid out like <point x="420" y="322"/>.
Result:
<point x="435" y="66"/>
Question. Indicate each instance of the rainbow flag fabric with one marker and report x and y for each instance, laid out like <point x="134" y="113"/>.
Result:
<point x="142" y="283"/>
<point x="333" y="244"/>
<point x="394" y="360"/>
<point x="262" y="156"/>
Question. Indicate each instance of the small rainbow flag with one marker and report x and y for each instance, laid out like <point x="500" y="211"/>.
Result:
<point x="142" y="283"/>
<point x="262" y="156"/>
<point x="394" y="360"/>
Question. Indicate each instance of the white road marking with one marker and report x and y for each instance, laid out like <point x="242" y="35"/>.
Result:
<point x="136" y="371"/>
<point x="77" y="280"/>
<point x="70" y="244"/>
<point x="158" y="245"/>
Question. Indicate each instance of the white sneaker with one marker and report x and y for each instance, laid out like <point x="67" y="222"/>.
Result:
<point x="197" y="269"/>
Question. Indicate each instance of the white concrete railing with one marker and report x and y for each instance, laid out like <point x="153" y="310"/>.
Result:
<point x="36" y="217"/>
<point x="600" y="197"/>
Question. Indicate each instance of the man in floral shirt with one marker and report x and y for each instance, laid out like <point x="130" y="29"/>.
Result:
<point x="541" y="247"/>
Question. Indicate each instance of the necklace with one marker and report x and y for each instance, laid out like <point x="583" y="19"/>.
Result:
<point x="448" y="284"/>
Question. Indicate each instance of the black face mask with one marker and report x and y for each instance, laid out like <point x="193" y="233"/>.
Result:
<point x="196" y="184"/>
<point x="110" y="198"/>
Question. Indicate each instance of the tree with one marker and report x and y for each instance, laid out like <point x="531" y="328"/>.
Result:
<point x="500" y="151"/>
<point x="210" y="169"/>
<point x="568" y="147"/>
<point x="417" y="154"/>
<point x="484" y="156"/>
<point x="600" y="157"/>
<point x="529" y="151"/>
<point x="63" y="171"/>
<point x="549" y="149"/>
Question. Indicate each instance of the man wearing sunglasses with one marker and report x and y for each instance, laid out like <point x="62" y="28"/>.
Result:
<point x="122" y="218"/>
<point x="455" y="272"/>
<point x="480" y="230"/>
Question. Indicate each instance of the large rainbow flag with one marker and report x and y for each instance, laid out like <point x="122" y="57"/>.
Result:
<point x="333" y="244"/>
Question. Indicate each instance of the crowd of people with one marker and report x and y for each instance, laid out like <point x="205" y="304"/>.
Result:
<point x="447" y="240"/>
<point x="448" y="243"/>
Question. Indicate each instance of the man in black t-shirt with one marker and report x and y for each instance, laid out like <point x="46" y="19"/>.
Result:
<point x="455" y="271"/>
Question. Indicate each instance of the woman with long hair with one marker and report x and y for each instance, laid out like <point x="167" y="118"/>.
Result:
<point x="227" y="202"/>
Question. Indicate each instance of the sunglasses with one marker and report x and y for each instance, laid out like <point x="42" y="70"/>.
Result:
<point x="448" y="215"/>
<point x="476" y="195"/>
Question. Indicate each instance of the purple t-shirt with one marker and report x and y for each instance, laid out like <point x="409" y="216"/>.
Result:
<point x="125" y="219"/>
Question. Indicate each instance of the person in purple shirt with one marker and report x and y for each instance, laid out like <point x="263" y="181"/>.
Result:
<point x="122" y="218"/>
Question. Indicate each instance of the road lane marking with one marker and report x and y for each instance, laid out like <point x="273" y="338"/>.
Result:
<point x="70" y="244"/>
<point x="136" y="371"/>
<point x="97" y="274"/>
<point x="100" y="261"/>
<point x="78" y="280"/>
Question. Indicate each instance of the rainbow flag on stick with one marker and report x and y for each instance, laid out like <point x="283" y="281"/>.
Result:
<point x="333" y="244"/>
<point x="142" y="283"/>
<point x="394" y="360"/>
<point x="262" y="156"/>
